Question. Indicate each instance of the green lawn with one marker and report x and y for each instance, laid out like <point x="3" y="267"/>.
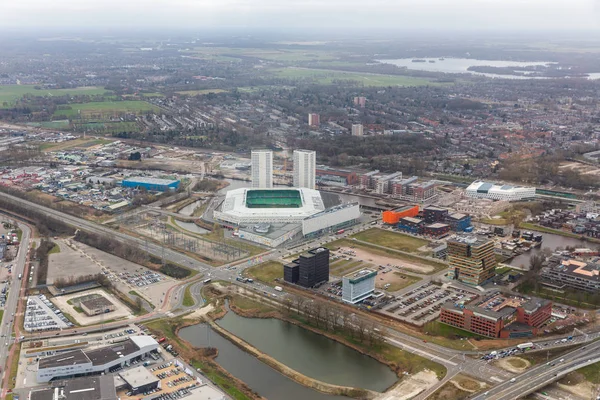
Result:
<point x="219" y="379"/>
<point x="54" y="250"/>
<point x="102" y="108"/>
<point x="327" y="77"/>
<point x="200" y="92"/>
<point x="9" y="94"/>
<point x="266" y="272"/>
<point x="439" y="329"/>
<point x="247" y="304"/>
<point x="393" y="240"/>
<point x="539" y="228"/>
<point x="591" y="373"/>
<point x="188" y="299"/>
<point x="280" y="55"/>
<point x="60" y="124"/>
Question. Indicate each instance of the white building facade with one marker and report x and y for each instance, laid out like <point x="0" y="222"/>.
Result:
<point x="262" y="169"/>
<point x="331" y="219"/>
<point x="357" y="286"/>
<point x="485" y="190"/>
<point x="357" y="130"/>
<point x="305" y="165"/>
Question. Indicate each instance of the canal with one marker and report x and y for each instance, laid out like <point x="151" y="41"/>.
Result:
<point x="190" y="208"/>
<point x="258" y="376"/>
<point x="552" y="242"/>
<point x="311" y="354"/>
<point x="192" y="227"/>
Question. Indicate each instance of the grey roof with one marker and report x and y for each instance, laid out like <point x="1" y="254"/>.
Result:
<point x="97" y="302"/>
<point x="151" y="180"/>
<point x="68" y="358"/>
<point x="99" y="387"/>
<point x="107" y="354"/>
<point x="137" y="377"/>
<point x="533" y="304"/>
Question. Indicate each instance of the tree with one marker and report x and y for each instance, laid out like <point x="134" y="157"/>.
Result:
<point x="299" y="302"/>
<point x="287" y="305"/>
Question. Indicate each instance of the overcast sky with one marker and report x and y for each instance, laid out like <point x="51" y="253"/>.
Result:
<point x="356" y="15"/>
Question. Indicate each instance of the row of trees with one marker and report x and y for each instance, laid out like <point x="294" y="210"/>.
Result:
<point x="339" y="320"/>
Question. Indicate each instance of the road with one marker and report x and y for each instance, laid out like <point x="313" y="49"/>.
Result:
<point x="543" y="374"/>
<point x="12" y="300"/>
<point x="454" y="360"/>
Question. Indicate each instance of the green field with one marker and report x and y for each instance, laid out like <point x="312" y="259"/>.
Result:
<point x="108" y="126"/>
<point x="327" y="77"/>
<point x="393" y="240"/>
<point x="61" y="124"/>
<point x="9" y="94"/>
<point x="200" y="92"/>
<point x="402" y="281"/>
<point x="266" y="272"/>
<point x="280" y="55"/>
<point x="105" y="108"/>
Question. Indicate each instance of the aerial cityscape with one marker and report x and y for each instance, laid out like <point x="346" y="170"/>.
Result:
<point x="253" y="200"/>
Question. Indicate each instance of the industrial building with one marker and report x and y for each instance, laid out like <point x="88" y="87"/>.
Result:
<point x="100" y="387"/>
<point x="150" y="184"/>
<point x="309" y="269"/>
<point x="331" y="220"/>
<point x="472" y="260"/>
<point x="262" y="169"/>
<point x="499" y="316"/>
<point x="359" y="285"/>
<point x="565" y="273"/>
<point x="88" y="362"/>
<point x="304" y="168"/>
<point x="97" y="305"/>
<point x="485" y="190"/>
<point x="357" y="130"/>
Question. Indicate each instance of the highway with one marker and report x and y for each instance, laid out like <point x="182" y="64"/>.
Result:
<point x="543" y="374"/>
<point x="455" y="361"/>
<point x="12" y="300"/>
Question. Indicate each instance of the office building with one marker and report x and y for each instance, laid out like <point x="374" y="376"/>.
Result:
<point x="314" y="120"/>
<point x="359" y="285"/>
<point x="433" y="214"/>
<point x="313" y="267"/>
<point x="576" y="275"/>
<point x="499" y="315"/>
<point x="77" y="363"/>
<point x="336" y="177"/>
<point x="485" y="190"/>
<point x="331" y="220"/>
<point x="436" y="230"/>
<point x="291" y="272"/>
<point x="411" y="225"/>
<point x="472" y="260"/>
<point x="357" y="130"/>
<point x="304" y="168"/>
<point x="262" y="169"/>
<point x="392" y="217"/>
<point x="459" y="222"/>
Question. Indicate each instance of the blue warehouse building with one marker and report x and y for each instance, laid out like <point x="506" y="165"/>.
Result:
<point x="150" y="184"/>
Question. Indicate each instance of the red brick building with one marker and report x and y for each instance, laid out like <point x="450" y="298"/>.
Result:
<point x="512" y="318"/>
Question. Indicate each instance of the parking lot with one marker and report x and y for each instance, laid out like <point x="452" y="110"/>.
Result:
<point x="42" y="315"/>
<point x="423" y="304"/>
<point x="125" y="275"/>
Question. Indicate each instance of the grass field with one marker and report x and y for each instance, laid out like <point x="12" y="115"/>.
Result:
<point x="281" y="55"/>
<point x="188" y="299"/>
<point x="247" y="304"/>
<point x="591" y="373"/>
<point x="200" y="92"/>
<point x="60" y="124"/>
<point x="9" y="94"/>
<point x="393" y="240"/>
<point x="79" y="143"/>
<point x="447" y="331"/>
<point x="106" y="108"/>
<point x="328" y="77"/>
<point x="107" y="127"/>
<point x="266" y="272"/>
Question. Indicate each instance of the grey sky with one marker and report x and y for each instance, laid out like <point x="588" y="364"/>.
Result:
<point x="360" y="14"/>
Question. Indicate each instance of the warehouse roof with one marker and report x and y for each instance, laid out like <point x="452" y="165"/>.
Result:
<point x="87" y="388"/>
<point x="151" y="180"/>
<point x="105" y="355"/>
<point x="74" y="357"/>
<point x="137" y="377"/>
<point x="97" y="302"/>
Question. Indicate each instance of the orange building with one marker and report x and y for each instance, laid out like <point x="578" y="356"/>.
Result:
<point x="392" y="217"/>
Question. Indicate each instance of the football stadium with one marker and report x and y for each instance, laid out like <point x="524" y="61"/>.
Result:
<point x="253" y="206"/>
<point x="274" y="216"/>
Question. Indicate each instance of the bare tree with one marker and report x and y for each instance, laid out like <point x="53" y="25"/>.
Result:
<point x="287" y="305"/>
<point x="299" y="301"/>
<point x="318" y="308"/>
<point x="361" y="328"/>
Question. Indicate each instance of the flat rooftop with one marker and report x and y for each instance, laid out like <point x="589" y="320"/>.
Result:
<point x="100" y="387"/>
<point x="361" y="275"/>
<point x="97" y="302"/>
<point x="107" y="354"/>
<point x="469" y="239"/>
<point x="151" y="180"/>
<point x="74" y="357"/>
<point x="137" y="377"/>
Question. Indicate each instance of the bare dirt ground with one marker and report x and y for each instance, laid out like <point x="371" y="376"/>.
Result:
<point x="384" y="260"/>
<point x="583" y="169"/>
<point x="200" y="312"/>
<point x="583" y="389"/>
<point x="411" y="386"/>
<point x="121" y="310"/>
<point x="513" y="364"/>
<point x="397" y="282"/>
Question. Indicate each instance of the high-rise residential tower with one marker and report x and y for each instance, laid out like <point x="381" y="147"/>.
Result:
<point x="357" y="130"/>
<point x="472" y="259"/>
<point x="262" y="169"/>
<point x="314" y="120"/>
<point x="304" y="168"/>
